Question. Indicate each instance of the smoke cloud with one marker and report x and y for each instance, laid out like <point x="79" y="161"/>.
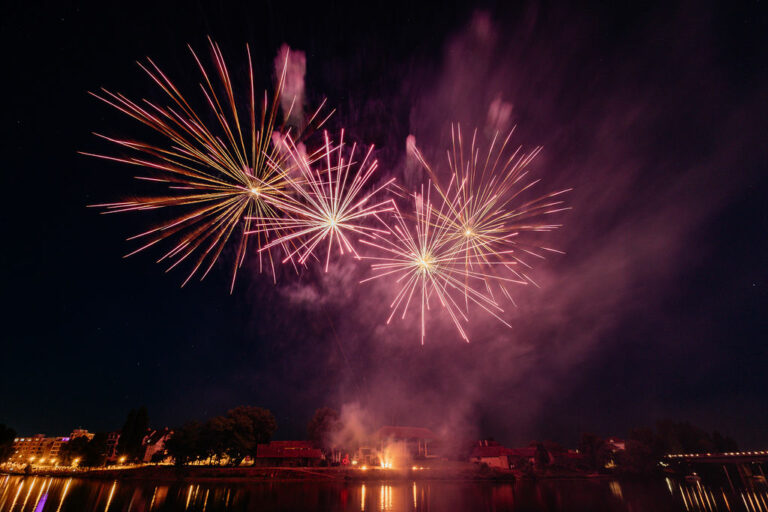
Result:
<point x="294" y="64"/>
<point x="642" y="194"/>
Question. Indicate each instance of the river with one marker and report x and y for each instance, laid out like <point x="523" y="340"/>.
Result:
<point x="43" y="494"/>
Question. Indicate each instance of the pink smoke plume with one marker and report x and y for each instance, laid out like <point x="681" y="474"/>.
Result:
<point x="636" y="214"/>
<point x="292" y="97"/>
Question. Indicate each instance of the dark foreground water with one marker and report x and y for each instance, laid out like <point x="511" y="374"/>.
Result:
<point x="38" y="494"/>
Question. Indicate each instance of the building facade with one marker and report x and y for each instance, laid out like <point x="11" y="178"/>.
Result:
<point x="111" y="451"/>
<point x="37" y="449"/>
<point x="153" y="444"/>
<point x="81" y="432"/>
<point x="414" y="441"/>
<point x="288" y="453"/>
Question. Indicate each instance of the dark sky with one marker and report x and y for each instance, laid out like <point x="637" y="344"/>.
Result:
<point x="655" y="114"/>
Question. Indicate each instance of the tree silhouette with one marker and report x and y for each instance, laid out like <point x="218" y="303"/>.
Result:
<point x="7" y="435"/>
<point x="134" y="430"/>
<point x="323" y="426"/>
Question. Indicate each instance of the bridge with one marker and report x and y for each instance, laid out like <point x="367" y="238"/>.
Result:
<point x="748" y="465"/>
<point x="759" y="457"/>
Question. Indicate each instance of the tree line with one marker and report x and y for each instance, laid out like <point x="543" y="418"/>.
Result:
<point x="646" y="446"/>
<point x="7" y="435"/>
<point x="235" y="435"/>
<point x="93" y="452"/>
<point x="228" y="438"/>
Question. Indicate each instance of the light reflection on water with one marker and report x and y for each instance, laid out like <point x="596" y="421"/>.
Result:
<point x="43" y="494"/>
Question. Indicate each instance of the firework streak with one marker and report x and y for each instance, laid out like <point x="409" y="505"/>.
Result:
<point x="217" y="178"/>
<point x="246" y="176"/>
<point x="460" y="249"/>
<point x="328" y="202"/>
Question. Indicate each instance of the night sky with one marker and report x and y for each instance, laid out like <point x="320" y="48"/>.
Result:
<point x="655" y="114"/>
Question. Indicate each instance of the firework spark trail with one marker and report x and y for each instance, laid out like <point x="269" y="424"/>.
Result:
<point x="482" y="213"/>
<point x="328" y="202"/>
<point x="221" y="182"/>
<point x="425" y="258"/>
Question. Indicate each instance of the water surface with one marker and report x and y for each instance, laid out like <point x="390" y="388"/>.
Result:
<point x="39" y="494"/>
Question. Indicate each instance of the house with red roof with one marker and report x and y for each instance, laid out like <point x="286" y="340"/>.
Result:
<point x="493" y="454"/>
<point x="288" y="453"/>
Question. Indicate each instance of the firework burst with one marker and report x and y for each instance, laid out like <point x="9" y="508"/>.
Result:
<point x="484" y="213"/>
<point x="329" y="203"/>
<point x="423" y="257"/>
<point x="216" y="176"/>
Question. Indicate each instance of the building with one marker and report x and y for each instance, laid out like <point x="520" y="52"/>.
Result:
<point x="615" y="445"/>
<point x="494" y="455"/>
<point x="394" y="446"/>
<point x="366" y="456"/>
<point x="113" y="438"/>
<point x="37" y="449"/>
<point x="288" y="453"/>
<point x="570" y="459"/>
<point x="153" y="444"/>
<point x="414" y="441"/>
<point x="81" y="432"/>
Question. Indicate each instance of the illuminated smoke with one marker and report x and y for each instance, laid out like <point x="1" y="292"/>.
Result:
<point x="292" y="97"/>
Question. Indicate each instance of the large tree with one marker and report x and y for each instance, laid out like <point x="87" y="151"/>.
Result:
<point x="90" y="452"/>
<point x="246" y="428"/>
<point x="595" y="450"/>
<point x="186" y="444"/>
<point x="323" y="427"/>
<point x="76" y="448"/>
<point x="217" y="438"/>
<point x="724" y="443"/>
<point x="235" y="435"/>
<point x="682" y="436"/>
<point x="7" y="435"/>
<point x="134" y="430"/>
<point x="96" y="453"/>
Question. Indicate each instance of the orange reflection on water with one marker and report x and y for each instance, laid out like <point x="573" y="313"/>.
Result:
<point x="64" y="494"/>
<point x="382" y="498"/>
<point x="616" y="489"/>
<point x="111" y="494"/>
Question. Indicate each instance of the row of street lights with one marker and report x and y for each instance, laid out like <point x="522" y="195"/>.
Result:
<point x="55" y="462"/>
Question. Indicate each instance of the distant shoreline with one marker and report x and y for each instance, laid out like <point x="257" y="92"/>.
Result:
<point x="286" y="474"/>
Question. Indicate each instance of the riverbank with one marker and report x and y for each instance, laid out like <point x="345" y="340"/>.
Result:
<point x="208" y="473"/>
<point x="168" y="473"/>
